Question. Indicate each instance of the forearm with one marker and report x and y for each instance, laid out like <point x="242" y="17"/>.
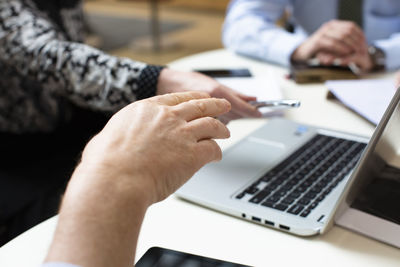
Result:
<point x="99" y="221"/>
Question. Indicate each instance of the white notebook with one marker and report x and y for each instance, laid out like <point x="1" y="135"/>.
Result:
<point x="369" y="98"/>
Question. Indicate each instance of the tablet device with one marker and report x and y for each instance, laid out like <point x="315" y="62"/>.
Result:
<point x="161" y="257"/>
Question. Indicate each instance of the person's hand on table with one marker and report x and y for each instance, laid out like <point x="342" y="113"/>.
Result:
<point x="361" y="59"/>
<point x="144" y="153"/>
<point x="334" y="39"/>
<point x="171" y="81"/>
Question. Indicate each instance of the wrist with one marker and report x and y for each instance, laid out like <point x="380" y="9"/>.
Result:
<point x="168" y="81"/>
<point x="297" y="56"/>
<point x="378" y="58"/>
<point x="303" y="52"/>
<point x="92" y="180"/>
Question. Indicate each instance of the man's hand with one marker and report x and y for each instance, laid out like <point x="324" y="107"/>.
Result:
<point x="172" y="81"/>
<point x="337" y="38"/>
<point x="361" y="59"/>
<point x="164" y="139"/>
<point x="144" y="153"/>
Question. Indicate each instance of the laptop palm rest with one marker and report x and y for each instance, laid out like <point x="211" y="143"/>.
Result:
<point x="240" y="164"/>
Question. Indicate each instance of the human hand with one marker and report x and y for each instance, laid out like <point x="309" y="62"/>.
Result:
<point x="361" y="59"/>
<point x="339" y="38"/>
<point x="144" y="153"/>
<point x="158" y="143"/>
<point x="171" y="81"/>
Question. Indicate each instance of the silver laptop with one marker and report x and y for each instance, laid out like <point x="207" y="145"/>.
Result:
<point x="300" y="179"/>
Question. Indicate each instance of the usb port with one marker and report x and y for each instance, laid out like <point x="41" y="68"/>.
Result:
<point x="284" y="227"/>
<point x="256" y="219"/>
<point x="269" y="223"/>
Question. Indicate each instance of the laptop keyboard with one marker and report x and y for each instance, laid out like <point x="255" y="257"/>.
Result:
<point x="299" y="183"/>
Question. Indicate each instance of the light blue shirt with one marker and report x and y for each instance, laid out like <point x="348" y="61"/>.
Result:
<point x="250" y="27"/>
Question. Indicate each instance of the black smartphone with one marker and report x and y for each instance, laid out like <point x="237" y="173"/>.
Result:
<point x="225" y="73"/>
<point x="162" y="257"/>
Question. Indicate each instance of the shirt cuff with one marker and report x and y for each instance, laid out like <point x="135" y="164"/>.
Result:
<point x="147" y="82"/>
<point x="282" y="47"/>
<point x="392" y="52"/>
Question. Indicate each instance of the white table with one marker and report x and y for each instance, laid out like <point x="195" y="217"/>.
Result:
<point x="179" y="225"/>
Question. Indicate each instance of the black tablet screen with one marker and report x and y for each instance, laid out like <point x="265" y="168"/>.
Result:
<point x="161" y="257"/>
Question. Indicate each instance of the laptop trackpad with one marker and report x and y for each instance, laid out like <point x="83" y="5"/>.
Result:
<point x="243" y="162"/>
<point x="252" y="155"/>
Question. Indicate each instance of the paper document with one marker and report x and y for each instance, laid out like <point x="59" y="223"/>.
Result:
<point x="369" y="98"/>
<point x="264" y="89"/>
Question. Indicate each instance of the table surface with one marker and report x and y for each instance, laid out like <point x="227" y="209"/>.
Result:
<point x="179" y="225"/>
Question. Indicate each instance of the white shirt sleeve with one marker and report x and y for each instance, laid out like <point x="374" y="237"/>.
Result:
<point x="391" y="48"/>
<point x="250" y="29"/>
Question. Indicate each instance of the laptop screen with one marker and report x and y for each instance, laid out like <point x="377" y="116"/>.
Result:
<point x="378" y="179"/>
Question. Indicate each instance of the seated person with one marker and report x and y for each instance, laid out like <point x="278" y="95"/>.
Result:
<point x="56" y="92"/>
<point x="366" y="33"/>
<point x="122" y="164"/>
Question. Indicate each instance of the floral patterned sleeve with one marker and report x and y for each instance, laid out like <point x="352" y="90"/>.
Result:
<point x="43" y="65"/>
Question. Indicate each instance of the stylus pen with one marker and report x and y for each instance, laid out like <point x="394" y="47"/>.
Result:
<point x="285" y="103"/>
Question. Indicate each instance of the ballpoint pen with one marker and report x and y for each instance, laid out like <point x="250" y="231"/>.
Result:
<point x="284" y="103"/>
<point x="338" y="63"/>
<point x="354" y="68"/>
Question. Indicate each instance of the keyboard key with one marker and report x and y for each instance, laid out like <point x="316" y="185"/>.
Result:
<point x="266" y="178"/>
<point x="296" y="209"/>
<point x="305" y="213"/>
<point x="292" y="183"/>
<point x="307" y="183"/>
<point x="294" y="194"/>
<point x="273" y="199"/>
<point x="326" y="191"/>
<point x="313" y="205"/>
<point x="288" y="200"/>
<point x="260" y="196"/>
<point x="272" y="186"/>
<point x="240" y="196"/>
<point x="251" y="190"/>
<point x="281" y="192"/>
<point x="304" y="201"/>
<point x="281" y="206"/>
<point x="268" y="204"/>
<point x="310" y="195"/>
<point x="316" y="189"/>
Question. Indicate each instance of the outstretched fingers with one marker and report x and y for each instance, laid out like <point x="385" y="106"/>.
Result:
<point x="208" y="128"/>
<point x="208" y="151"/>
<point x="178" y="98"/>
<point x="198" y="108"/>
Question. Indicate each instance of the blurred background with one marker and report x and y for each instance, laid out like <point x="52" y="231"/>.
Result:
<point x="155" y="31"/>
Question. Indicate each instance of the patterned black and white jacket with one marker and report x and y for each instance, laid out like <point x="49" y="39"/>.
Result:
<point x="45" y="68"/>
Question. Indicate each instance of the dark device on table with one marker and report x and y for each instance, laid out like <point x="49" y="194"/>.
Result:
<point x="225" y="73"/>
<point x="161" y="257"/>
<point x="306" y="73"/>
